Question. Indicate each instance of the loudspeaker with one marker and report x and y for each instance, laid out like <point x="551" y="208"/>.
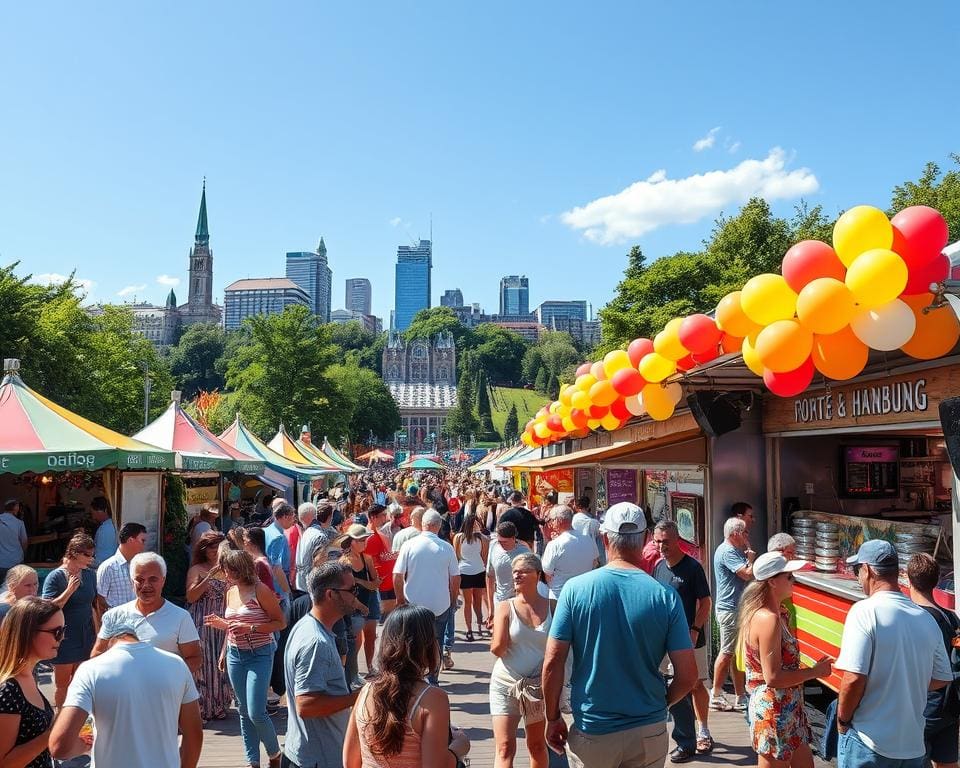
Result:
<point x="950" y="421"/>
<point x="716" y="414"/>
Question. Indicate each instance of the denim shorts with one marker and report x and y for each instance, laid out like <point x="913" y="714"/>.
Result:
<point x="853" y="753"/>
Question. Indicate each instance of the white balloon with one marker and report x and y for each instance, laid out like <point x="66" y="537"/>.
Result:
<point x="634" y="404"/>
<point x="675" y="392"/>
<point x="886" y="327"/>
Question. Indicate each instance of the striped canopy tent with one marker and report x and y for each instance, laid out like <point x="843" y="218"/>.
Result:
<point x="305" y="446"/>
<point x="299" y="453"/>
<point x="339" y="457"/>
<point x="375" y="455"/>
<point x="517" y="456"/>
<point x="196" y="448"/>
<point x="486" y="463"/>
<point x="420" y="462"/>
<point x="37" y="435"/>
<point x="241" y="438"/>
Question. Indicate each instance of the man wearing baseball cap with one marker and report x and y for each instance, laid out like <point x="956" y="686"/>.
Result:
<point x="891" y="654"/>
<point x="617" y="623"/>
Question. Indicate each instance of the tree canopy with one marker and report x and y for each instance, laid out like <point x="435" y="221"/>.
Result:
<point x="195" y="361"/>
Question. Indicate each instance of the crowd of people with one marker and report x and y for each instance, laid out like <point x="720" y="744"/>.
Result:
<point x="343" y="610"/>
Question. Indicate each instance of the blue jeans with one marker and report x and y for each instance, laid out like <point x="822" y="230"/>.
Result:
<point x="853" y="753"/>
<point x="447" y="645"/>
<point x="684" y="724"/>
<point x="249" y="672"/>
<point x="440" y="629"/>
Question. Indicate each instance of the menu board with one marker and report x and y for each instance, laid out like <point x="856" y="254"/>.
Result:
<point x="140" y="503"/>
<point x="621" y="486"/>
<point x="870" y="471"/>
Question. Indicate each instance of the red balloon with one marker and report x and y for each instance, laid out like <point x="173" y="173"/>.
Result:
<point x="598" y="411"/>
<point x="698" y="333"/>
<point x="584" y="369"/>
<point x="637" y="349"/>
<point x="705" y="357"/>
<point x="686" y="363"/>
<point x="555" y="423"/>
<point x="919" y="234"/>
<point x="792" y="382"/>
<point x="808" y="260"/>
<point x="579" y="418"/>
<point x="619" y="409"/>
<point x="920" y="277"/>
<point x="627" y="382"/>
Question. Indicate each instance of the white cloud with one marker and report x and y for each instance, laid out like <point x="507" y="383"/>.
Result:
<point x="707" y="141"/>
<point x="131" y="289"/>
<point x="658" y="201"/>
<point x="54" y="278"/>
<point x="732" y="149"/>
<point x="173" y="282"/>
<point x="396" y="221"/>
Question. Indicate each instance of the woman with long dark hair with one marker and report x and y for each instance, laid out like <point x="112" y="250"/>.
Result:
<point x="471" y="547"/>
<point x="73" y="587"/>
<point x="206" y="589"/>
<point x="31" y="632"/>
<point x="399" y="721"/>
<point x="363" y="626"/>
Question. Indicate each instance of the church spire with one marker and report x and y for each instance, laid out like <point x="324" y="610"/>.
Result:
<point x="203" y="235"/>
<point x="322" y="248"/>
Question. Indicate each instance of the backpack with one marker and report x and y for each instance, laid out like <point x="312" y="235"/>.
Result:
<point x="949" y="626"/>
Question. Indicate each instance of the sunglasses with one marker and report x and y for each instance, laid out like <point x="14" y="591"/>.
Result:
<point x="351" y="591"/>
<point x="57" y="633"/>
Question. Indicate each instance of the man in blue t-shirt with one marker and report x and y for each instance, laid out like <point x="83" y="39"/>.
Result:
<point x="618" y="624"/>
<point x="733" y="568"/>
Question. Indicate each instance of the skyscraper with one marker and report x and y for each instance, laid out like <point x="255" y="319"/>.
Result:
<point x="414" y="265"/>
<point x="311" y="272"/>
<point x="514" y="295"/>
<point x="452" y="297"/>
<point x="200" y="307"/>
<point x="359" y="295"/>
<point x="263" y="296"/>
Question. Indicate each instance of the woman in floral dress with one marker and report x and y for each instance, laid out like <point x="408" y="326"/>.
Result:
<point x="205" y="595"/>
<point x="778" y="723"/>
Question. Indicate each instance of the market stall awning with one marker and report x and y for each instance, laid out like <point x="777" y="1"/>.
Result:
<point x="339" y="457"/>
<point x="241" y="438"/>
<point x="480" y="465"/>
<point x="620" y="452"/>
<point x="37" y="435"/>
<point x="196" y="448"/>
<point x="287" y="447"/>
<point x="420" y="462"/>
<point x="375" y="455"/>
<point x="517" y="455"/>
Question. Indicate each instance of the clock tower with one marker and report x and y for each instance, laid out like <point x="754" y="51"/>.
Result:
<point x="200" y="307"/>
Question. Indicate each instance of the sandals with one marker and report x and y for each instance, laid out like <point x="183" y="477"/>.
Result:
<point x="705" y="745"/>
<point x="720" y="704"/>
<point x="469" y="635"/>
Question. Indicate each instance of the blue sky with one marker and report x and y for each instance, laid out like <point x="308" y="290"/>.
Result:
<point x="519" y="126"/>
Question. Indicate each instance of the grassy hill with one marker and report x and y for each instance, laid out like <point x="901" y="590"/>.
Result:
<point x="528" y="402"/>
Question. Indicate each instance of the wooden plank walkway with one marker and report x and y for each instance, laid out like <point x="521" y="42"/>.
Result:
<point x="467" y="686"/>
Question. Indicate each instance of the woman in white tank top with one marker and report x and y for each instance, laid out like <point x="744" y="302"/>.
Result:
<point x="471" y="547"/>
<point x="520" y="629"/>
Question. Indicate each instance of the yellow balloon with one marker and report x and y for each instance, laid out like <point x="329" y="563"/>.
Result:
<point x="585" y="381"/>
<point x="655" y="367"/>
<point x="581" y="400"/>
<point x="767" y="298"/>
<point x="750" y="357"/>
<point x="667" y="342"/>
<point x="568" y="424"/>
<point x="658" y="403"/>
<point x="860" y="229"/>
<point x="825" y="306"/>
<point x="563" y="410"/>
<point x="610" y="422"/>
<point x="877" y="277"/>
<point x="783" y="346"/>
<point x="592" y="424"/>
<point x="615" y="361"/>
<point x="541" y="431"/>
<point x="554" y="406"/>
<point x="566" y="392"/>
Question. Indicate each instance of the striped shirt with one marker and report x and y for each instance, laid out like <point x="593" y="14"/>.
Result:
<point x="114" y="584"/>
<point x="250" y="612"/>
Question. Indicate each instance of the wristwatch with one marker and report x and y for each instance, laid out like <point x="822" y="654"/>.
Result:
<point x="844" y="723"/>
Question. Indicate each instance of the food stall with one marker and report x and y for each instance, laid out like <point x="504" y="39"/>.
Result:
<point x="859" y="460"/>
<point x="55" y="462"/>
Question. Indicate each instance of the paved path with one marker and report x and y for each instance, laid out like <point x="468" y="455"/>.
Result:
<point x="466" y="685"/>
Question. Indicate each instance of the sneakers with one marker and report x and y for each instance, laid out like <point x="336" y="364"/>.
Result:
<point x="681" y="755"/>
<point x="720" y="704"/>
<point x="742" y="703"/>
<point x="447" y="660"/>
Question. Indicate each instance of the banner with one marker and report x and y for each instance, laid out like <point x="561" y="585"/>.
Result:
<point x="541" y="483"/>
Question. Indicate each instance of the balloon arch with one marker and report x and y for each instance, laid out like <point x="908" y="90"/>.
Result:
<point x="823" y="313"/>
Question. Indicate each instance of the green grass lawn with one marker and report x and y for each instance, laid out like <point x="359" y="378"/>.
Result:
<point x="528" y="402"/>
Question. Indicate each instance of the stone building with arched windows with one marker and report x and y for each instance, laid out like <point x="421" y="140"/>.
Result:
<point x="422" y="377"/>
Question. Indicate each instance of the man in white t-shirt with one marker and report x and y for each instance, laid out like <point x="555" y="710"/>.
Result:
<point x="891" y="654"/>
<point x="568" y="553"/>
<point x="139" y="697"/>
<point x="412" y="531"/>
<point x="157" y="621"/>
<point x="427" y="574"/>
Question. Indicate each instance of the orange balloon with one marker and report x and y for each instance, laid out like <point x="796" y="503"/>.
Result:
<point x="602" y="393"/>
<point x="731" y="318"/>
<point x="937" y="331"/>
<point x="730" y="343"/>
<point x="825" y="305"/>
<point x="839" y="355"/>
<point x="784" y="345"/>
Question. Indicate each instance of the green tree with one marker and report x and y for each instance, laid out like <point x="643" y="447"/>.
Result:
<point x="427" y="323"/>
<point x="461" y="422"/>
<point x="542" y="380"/>
<point x="553" y="386"/>
<point x="371" y="407"/>
<point x="511" y="427"/>
<point x="361" y="345"/>
<point x="934" y="188"/>
<point x="500" y="353"/>
<point x="193" y="361"/>
<point x="532" y="362"/>
<point x="280" y="374"/>
<point x="483" y="394"/>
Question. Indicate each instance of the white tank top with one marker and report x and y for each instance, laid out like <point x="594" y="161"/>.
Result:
<point x="471" y="561"/>
<point x="524" y="657"/>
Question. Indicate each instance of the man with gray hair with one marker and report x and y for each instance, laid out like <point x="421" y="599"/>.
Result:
<point x="568" y="553"/>
<point x="318" y="698"/>
<point x="618" y="624"/>
<point x="415" y="528"/>
<point x="427" y="573"/>
<point x="732" y="568"/>
<point x="113" y="689"/>
<point x="783" y="543"/>
<point x="158" y="622"/>
<point x="306" y="514"/>
<point x="312" y="539"/>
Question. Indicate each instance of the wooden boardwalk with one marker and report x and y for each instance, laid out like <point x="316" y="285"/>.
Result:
<point x="467" y="686"/>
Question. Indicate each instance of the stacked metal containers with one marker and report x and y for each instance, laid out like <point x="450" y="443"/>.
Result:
<point x="804" y="533"/>
<point x="827" y="549"/>
<point x="908" y="544"/>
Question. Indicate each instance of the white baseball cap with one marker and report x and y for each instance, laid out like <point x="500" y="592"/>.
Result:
<point x="771" y="564"/>
<point x="624" y="517"/>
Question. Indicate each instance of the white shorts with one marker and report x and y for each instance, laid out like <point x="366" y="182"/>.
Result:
<point x="503" y="702"/>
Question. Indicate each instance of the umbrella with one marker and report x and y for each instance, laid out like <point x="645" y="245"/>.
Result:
<point x="375" y="455"/>
<point x="40" y="436"/>
<point x="196" y="447"/>
<point x="420" y="462"/>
